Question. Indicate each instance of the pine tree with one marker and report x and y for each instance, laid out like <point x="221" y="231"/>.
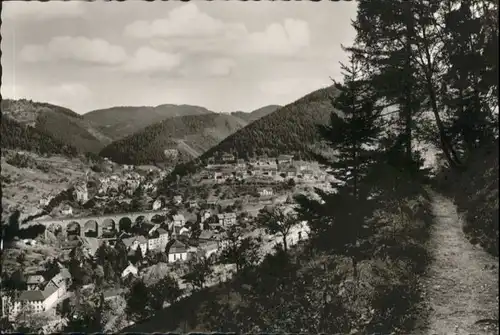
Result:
<point x="337" y="221"/>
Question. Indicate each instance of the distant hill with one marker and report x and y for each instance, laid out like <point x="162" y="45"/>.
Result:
<point x="256" y="114"/>
<point x="119" y="122"/>
<point x="23" y="137"/>
<point x="191" y="135"/>
<point x="291" y="129"/>
<point x="59" y="123"/>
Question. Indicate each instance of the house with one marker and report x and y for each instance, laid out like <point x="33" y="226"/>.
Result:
<point x="157" y="204"/>
<point x="285" y="159"/>
<point x="209" y="248"/>
<point x="212" y="200"/>
<point x="307" y="174"/>
<point x="184" y="231"/>
<point x="45" y="200"/>
<point x="290" y="172"/>
<point x="193" y="204"/>
<point x="227" y="157"/>
<point x="158" y="238"/>
<point x="264" y="160"/>
<point x="91" y="244"/>
<point x="81" y="193"/>
<point x="130" y="270"/>
<point x="206" y="235"/>
<point x="56" y="288"/>
<point x="203" y="216"/>
<point x="33" y="300"/>
<point x="112" y="294"/>
<point x="266" y="192"/>
<point x="34" y="282"/>
<point x="132" y="243"/>
<point x="41" y="300"/>
<point x="241" y="163"/>
<point x="226" y="219"/>
<point x="269" y="171"/>
<point x="178" y="252"/>
<point x="177" y="200"/>
<point x="67" y="210"/>
<point x="179" y="220"/>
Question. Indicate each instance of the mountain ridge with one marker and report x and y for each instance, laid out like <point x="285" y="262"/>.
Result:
<point x="60" y="123"/>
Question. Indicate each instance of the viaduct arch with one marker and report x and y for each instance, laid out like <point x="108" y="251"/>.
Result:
<point x="97" y="225"/>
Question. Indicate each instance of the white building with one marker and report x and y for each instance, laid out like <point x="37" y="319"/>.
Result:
<point x="38" y="301"/>
<point x="67" y="210"/>
<point x="132" y="243"/>
<point x="179" y="220"/>
<point x="130" y="270"/>
<point x="178" y="252"/>
<point x="265" y="192"/>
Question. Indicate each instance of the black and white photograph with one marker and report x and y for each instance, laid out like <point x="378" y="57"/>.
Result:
<point x="249" y="167"/>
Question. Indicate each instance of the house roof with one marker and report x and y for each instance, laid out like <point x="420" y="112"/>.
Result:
<point x="178" y="217"/>
<point x="130" y="240"/>
<point x="285" y="157"/>
<point x="161" y="231"/>
<point x="35" y="295"/>
<point x="177" y="247"/>
<point x="112" y="293"/>
<point x="206" y="235"/>
<point x="211" y="245"/>
<point x="35" y="279"/>
<point x="91" y="243"/>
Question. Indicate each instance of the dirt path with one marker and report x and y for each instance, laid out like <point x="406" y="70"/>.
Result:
<point x="461" y="285"/>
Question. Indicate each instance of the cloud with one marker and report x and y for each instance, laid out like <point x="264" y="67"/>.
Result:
<point x="37" y="10"/>
<point x="184" y="21"/>
<point x="217" y="67"/>
<point x="147" y="59"/>
<point x="96" y="51"/>
<point x="188" y="29"/>
<point x="287" y="38"/>
<point x="68" y="94"/>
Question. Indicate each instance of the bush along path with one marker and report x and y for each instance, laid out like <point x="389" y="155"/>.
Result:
<point x="461" y="285"/>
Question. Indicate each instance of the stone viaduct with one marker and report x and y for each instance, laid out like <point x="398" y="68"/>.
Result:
<point x="96" y="224"/>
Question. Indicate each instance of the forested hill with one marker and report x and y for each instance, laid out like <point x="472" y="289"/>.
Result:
<point x="57" y="122"/>
<point x="24" y="137"/>
<point x="290" y="129"/>
<point x="119" y="122"/>
<point x="190" y="135"/>
<point x="256" y="114"/>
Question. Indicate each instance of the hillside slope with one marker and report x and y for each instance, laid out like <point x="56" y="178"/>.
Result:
<point x="21" y="137"/>
<point x="291" y="129"/>
<point x="256" y="114"/>
<point x="188" y="134"/>
<point x="119" y="122"/>
<point x="58" y="122"/>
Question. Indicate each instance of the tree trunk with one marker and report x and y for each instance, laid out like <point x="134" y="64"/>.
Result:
<point x="449" y="152"/>
<point x="285" y="246"/>
<point x="407" y="84"/>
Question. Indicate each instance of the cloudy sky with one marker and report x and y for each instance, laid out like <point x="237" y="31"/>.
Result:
<point x="225" y="56"/>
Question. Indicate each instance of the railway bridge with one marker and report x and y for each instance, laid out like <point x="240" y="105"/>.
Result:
<point x="97" y="224"/>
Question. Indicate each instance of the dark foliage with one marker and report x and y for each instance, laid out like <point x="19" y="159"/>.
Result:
<point x="17" y="136"/>
<point x="61" y="124"/>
